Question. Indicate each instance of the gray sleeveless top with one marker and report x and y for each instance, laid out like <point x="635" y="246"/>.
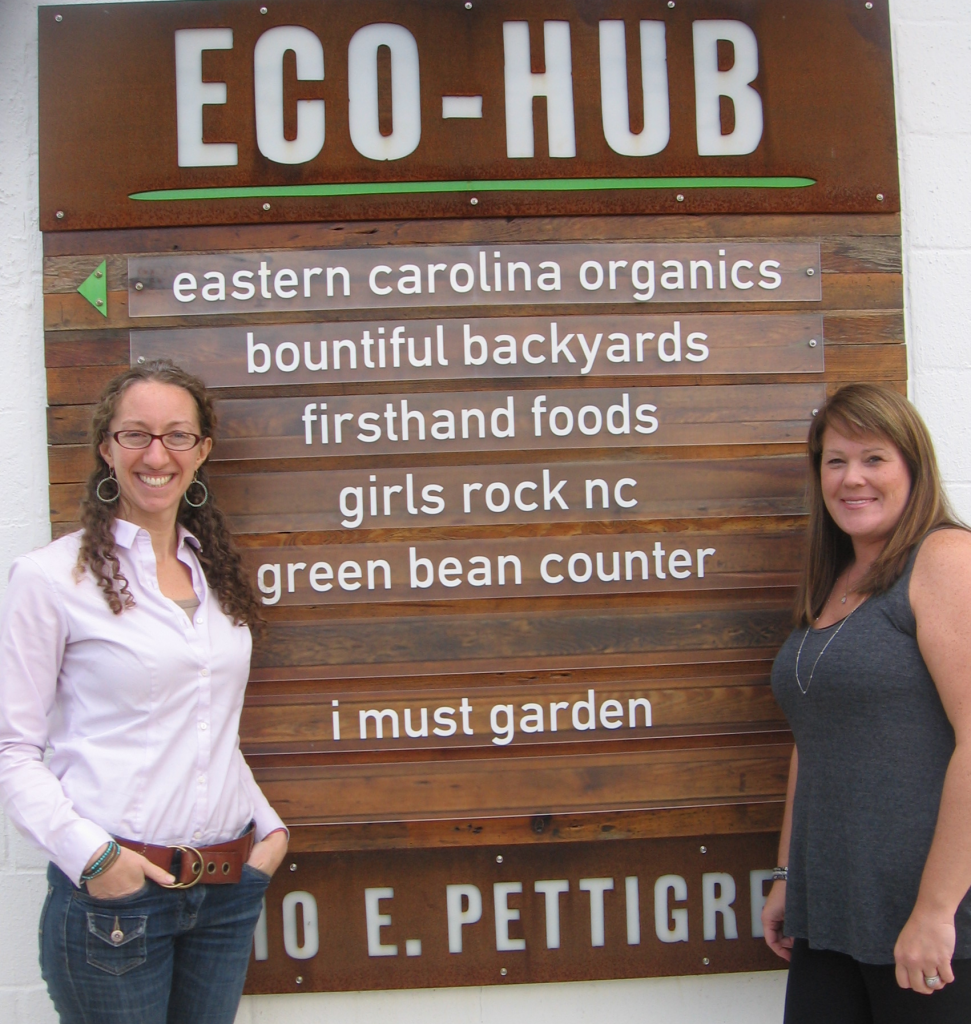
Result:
<point x="874" y="744"/>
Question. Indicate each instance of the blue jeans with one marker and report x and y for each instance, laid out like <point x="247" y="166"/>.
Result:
<point x="159" y="956"/>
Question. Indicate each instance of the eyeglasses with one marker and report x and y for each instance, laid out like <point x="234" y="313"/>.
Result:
<point x="175" y="440"/>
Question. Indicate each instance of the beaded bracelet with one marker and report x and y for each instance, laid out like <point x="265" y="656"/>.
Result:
<point x="111" y="853"/>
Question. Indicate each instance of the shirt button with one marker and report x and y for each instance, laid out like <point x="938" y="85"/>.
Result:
<point x="203" y="726"/>
<point x="202" y="780"/>
<point x="197" y="835"/>
<point x="204" y="672"/>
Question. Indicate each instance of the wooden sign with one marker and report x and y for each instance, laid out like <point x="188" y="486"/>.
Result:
<point x="215" y="113"/>
<point x="515" y="352"/>
<point x="572" y="273"/>
<point x="498" y="495"/>
<point x="521" y="421"/>
<point x="493" y="347"/>
<point x="627" y="563"/>
<point x="501" y="915"/>
<point x="445" y="714"/>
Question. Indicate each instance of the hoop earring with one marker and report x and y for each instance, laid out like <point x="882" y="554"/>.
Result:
<point x="102" y="482"/>
<point x="205" y="496"/>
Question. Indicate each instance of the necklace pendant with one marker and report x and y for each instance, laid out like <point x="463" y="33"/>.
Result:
<point x="842" y="600"/>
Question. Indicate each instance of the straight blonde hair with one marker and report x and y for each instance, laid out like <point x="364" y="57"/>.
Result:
<point x="856" y="411"/>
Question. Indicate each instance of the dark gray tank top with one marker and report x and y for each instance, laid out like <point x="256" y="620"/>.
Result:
<point x="874" y="744"/>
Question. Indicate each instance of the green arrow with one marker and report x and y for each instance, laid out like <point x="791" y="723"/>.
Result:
<point x="95" y="288"/>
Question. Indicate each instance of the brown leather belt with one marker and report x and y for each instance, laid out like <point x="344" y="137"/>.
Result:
<point x="198" y="865"/>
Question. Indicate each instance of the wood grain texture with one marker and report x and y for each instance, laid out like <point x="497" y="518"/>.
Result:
<point x="525" y="786"/>
<point x="713" y="761"/>
<point x="413" y="887"/>
<point x="704" y="818"/>
<point x="444" y="639"/>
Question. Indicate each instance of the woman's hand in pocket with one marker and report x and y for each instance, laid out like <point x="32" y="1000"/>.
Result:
<point x="126" y="876"/>
<point x="268" y="853"/>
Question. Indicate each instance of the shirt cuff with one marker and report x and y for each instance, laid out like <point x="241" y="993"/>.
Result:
<point x="79" y="845"/>
<point x="267" y="821"/>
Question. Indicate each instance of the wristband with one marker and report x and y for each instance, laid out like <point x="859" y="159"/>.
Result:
<point x="780" y="874"/>
<point x="111" y="853"/>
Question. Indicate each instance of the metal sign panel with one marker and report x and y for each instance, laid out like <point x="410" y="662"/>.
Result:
<point x="218" y="113"/>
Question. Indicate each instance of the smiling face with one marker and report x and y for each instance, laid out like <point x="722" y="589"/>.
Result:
<point x="153" y="480"/>
<point x="865" y="484"/>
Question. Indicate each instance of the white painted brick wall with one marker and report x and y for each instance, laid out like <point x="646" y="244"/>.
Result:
<point x="932" y="54"/>
<point x="932" y="47"/>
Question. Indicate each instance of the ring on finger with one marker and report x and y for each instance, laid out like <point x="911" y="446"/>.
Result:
<point x="932" y="980"/>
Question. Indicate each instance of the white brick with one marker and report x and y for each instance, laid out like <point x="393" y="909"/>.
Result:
<point x="938" y="286"/>
<point x="936" y="193"/>
<point x="23" y="856"/>
<point x="21" y="897"/>
<point x="933" y="65"/>
<point x="422" y="1006"/>
<point x="941" y="399"/>
<point x="34" y="1006"/>
<point x="932" y="11"/>
<point x="8" y="1005"/>
<point x="960" y="495"/>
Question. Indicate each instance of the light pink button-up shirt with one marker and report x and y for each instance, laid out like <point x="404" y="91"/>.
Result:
<point x="140" y="710"/>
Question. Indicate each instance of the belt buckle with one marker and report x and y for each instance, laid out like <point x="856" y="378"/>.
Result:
<point x="198" y="873"/>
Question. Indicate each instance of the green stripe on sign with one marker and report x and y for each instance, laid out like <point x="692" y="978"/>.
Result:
<point x="398" y="188"/>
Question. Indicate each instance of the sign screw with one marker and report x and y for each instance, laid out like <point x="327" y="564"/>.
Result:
<point x="670" y="3"/>
<point x="810" y="271"/>
<point x="502" y="970"/>
<point x="293" y="867"/>
<point x="705" y="961"/>
<point x="498" y="858"/>
<point x="703" y="849"/>
<point x="266" y="206"/>
<point x="299" y="979"/>
<point x="879" y="197"/>
<point x="474" y="201"/>
<point x="263" y="11"/>
<point x="680" y="198"/>
<point x="468" y="5"/>
<point x="141" y="359"/>
<point x="815" y="412"/>
<point x="812" y="342"/>
<point x="139" y="286"/>
<point x="868" y="5"/>
<point x="58" y="17"/>
<point x="59" y="215"/>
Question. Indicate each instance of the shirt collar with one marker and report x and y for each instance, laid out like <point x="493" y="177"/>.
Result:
<point x="126" y="532"/>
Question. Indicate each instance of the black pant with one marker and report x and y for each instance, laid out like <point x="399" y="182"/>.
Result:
<point x="833" y="988"/>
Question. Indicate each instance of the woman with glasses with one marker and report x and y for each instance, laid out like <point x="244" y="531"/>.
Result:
<point x="125" y="650"/>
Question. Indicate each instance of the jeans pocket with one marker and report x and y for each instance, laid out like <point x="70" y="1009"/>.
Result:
<point x="116" y="944"/>
<point x="256" y="874"/>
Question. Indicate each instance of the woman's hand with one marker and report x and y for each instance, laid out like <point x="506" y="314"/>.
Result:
<point x="126" y="876"/>
<point x="773" y="918"/>
<point x="268" y="854"/>
<point x="924" y="949"/>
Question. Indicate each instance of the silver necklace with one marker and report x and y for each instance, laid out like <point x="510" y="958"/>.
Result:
<point x="805" y="689"/>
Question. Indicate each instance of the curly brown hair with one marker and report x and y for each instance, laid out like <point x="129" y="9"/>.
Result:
<point x="218" y="555"/>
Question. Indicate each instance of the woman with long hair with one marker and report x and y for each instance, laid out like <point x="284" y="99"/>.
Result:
<point x="871" y="904"/>
<point x="125" y="650"/>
